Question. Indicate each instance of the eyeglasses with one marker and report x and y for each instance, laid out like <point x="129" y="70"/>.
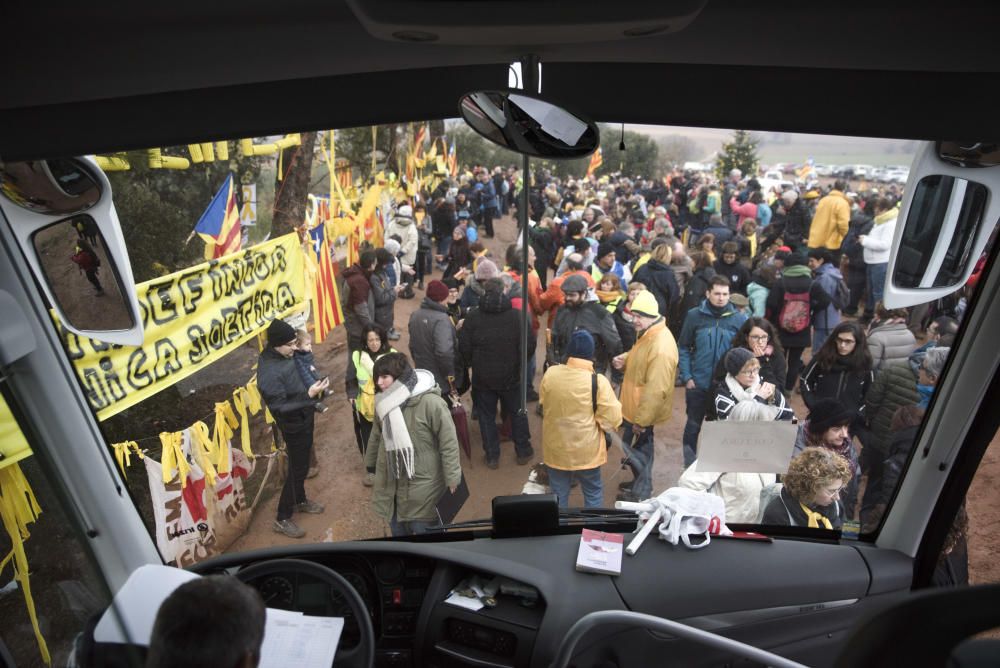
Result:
<point x="749" y="372"/>
<point x="761" y="337"/>
<point x="845" y="342"/>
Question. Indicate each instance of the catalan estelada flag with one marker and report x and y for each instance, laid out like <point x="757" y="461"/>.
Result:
<point x="596" y="160"/>
<point x="219" y="226"/>
<point x="452" y="159"/>
<point x="326" y="299"/>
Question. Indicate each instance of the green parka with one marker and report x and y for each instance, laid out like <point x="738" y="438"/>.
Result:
<point x="435" y="457"/>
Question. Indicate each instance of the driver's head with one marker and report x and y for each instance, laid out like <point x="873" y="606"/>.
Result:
<point x="212" y="622"/>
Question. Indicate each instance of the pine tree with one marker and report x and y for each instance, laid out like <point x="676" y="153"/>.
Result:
<point x="741" y="154"/>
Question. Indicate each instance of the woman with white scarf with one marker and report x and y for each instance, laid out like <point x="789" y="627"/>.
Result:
<point x="413" y="446"/>
<point x="743" y="383"/>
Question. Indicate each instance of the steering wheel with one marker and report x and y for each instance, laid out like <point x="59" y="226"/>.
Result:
<point x="361" y="656"/>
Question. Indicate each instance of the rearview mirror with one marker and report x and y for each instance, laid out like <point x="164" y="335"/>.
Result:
<point x="529" y="125"/>
<point x="65" y="223"/>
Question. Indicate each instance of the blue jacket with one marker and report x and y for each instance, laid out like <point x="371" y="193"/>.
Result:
<point x="705" y="338"/>
<point x="487" y="195"/>
<point x="828" y="276"/>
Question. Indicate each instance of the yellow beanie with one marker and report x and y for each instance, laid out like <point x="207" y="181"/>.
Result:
<point x="645" y="304"/>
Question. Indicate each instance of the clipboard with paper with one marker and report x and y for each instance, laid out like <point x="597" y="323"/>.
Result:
<point x="746" y="447"/>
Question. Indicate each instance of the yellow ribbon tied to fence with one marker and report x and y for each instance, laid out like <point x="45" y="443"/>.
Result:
<point x="173" y="457"/>
<point x="247" y="403"/>
<point x="203" y="451"/>
<point x="123" y="454"/>
<point x="225" y="423"/>
<point x="19" y="508"/>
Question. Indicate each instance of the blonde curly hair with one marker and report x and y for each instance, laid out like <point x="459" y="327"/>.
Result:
<point x="812" y="469"/>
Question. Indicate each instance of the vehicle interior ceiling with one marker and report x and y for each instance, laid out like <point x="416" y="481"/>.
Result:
<point x="186" y="72"/>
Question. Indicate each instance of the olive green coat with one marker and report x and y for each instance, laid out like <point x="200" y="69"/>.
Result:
<point x="435" y="458"/>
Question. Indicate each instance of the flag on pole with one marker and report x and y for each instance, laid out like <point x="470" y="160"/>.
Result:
<point x="418" y="140"/>
<point x="596" y="160"/>
<point x="219" y="226"/>
<point x="452" y="159"/>
<point x="326" y="299"/>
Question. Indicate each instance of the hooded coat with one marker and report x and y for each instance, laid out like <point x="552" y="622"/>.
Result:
<point x="660" y="279"/>
<point x="572" y="431"/>
<point x="594" y="318"/>
<point x="831" y="221"/>
<point x="359" y="305"/>
<point x="433" y="342"/>
<point x="488" y="343"/>
<point x="409" y="238"/>
<point x="647" y="391"/>
<point x="850" y="386"/>
<point x="435" y="457"/>
<point x="383" y="298"/>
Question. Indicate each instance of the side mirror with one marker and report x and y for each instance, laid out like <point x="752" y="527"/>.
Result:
<point x="65" y="224"/>
<point x="947" y="216"/>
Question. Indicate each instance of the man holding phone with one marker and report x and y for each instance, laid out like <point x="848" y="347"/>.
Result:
<point x="292" y="403"/>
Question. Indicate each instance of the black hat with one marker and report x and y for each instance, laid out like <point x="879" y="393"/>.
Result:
<point x="604" y="248"/>
<point x="795" y="259"/>
<point x="279" y="333"/>
<point x="827" y="413"/>
<point x="736" y="359"/>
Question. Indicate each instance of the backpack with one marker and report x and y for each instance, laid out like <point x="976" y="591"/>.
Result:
<point x="794" y="315"/>
<point x="841" y="295"/>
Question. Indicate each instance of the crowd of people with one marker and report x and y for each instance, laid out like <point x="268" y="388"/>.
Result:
<point x="637" y="287"/>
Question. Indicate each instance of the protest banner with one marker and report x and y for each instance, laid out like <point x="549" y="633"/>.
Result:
<point x="191" y="318"/>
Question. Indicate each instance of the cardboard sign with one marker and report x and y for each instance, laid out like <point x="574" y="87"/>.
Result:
<point x="746" y="447"/>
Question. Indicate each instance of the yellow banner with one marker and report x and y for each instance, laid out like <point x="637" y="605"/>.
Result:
<point x="192" y="318"/>
<point x="13" y="446"/>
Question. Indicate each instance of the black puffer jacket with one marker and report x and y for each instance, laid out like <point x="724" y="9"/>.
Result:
<point x="841" y="382"/>
<point x="790" y="224"/>
<point x="659" y="279"/>
<point x="895" y="385"/>
<point x="594" y="318"/>
<point x="694" y="294"/>
<point x="489" y="345"/>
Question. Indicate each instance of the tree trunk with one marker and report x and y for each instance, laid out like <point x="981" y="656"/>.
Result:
<point x="292" y="191"/>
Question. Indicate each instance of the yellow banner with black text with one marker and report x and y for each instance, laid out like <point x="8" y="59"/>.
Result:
<point x="192" y="318"/>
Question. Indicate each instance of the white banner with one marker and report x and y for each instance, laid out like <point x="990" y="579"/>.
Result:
<point x="725" y="446"/>
<point x="198" y="520"/>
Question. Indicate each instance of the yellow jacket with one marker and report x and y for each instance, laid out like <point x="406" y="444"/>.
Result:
<point x="830" y="222"/>
<point x="650" y="369"/>
<point x="572" y="433"/>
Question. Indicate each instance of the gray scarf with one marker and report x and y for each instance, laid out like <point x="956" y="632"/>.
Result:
<point x="388" y="409"/>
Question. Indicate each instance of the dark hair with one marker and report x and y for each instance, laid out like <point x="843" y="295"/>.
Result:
<point x="840" y="184"/>
<point x="719" y="280"/>
<point x="213" y="621"/>
<point x="730" y="247"/>
<point x="383" y="336"/>
<point x="946" y="325"/>
<point x="859" y="360"/>
<point x="821" y="254"/>
<point x="708" y="236"/>
<point x="383" y="258"/>
<point x="742" y="337"/>
<point x="574" y="228"/>
<point x="368" y="258"/>
<point x="392" y="364"/>
<point x="581" y="246"/>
